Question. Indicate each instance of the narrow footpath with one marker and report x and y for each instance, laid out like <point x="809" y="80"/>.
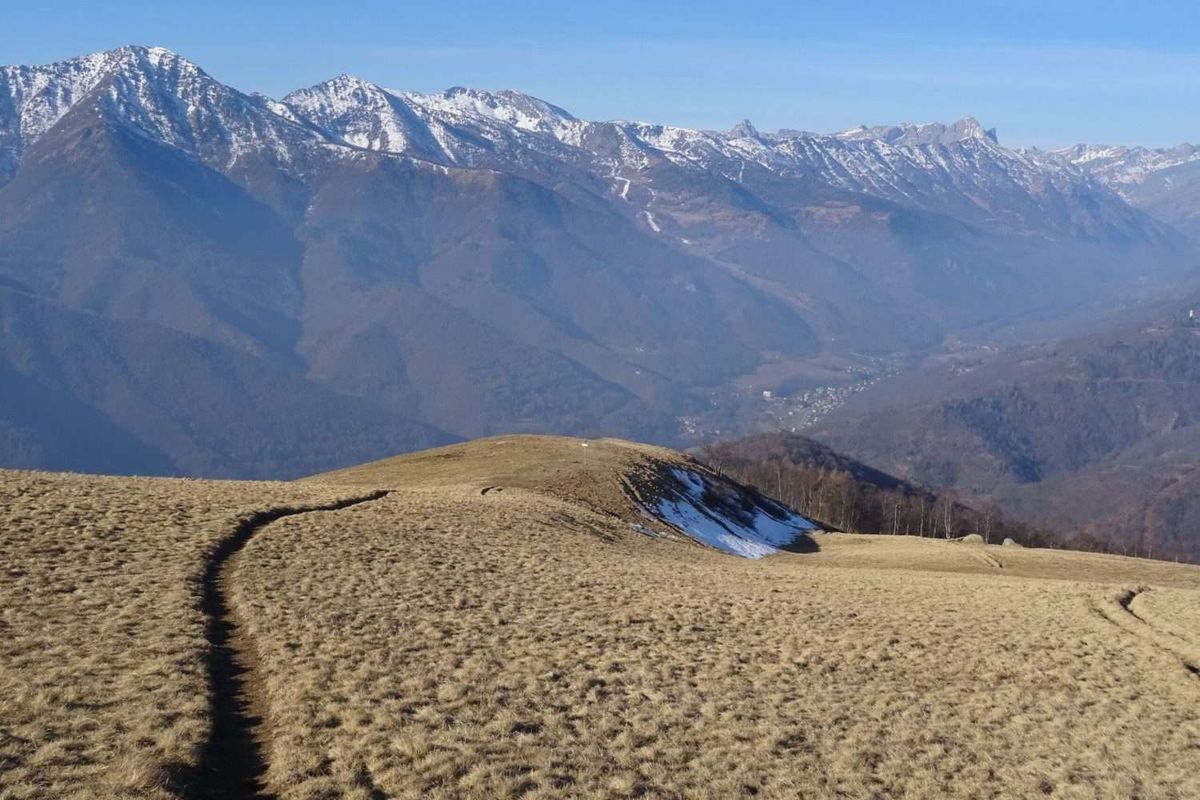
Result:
<point x="234" y="761"/>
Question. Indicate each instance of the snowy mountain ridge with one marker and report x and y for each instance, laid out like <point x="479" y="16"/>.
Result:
<point x="171" y="99"/>
<point x="1117" y="165"/>
<point x="153" y="92"/>
<point x="923" y="133"/>
<point x="958" y="169"/>
<point x="1164" y="182"/>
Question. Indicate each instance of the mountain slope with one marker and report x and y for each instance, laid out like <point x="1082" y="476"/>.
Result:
<point x="1165" y="182"/>
<point x="486" y="261"/>
<point x="86" y="393"/>
<point x="840" y="490"/>
<point x="104" y="220"/>
<point x="1098" y="434"/>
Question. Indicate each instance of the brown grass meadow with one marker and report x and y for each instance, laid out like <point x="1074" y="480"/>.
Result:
<point x="496" y="626"/>
<point x="103" y="689"/>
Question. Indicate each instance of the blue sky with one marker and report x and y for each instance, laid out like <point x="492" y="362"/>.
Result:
<point x="1044" y="73"/>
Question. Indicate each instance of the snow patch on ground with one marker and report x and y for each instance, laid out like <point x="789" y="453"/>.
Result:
<point x="732" y="527"/>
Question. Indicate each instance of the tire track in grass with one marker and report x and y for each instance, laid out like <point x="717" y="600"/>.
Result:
<point x="1119" y="610"/>
<point x="1137" y="607"/>
<point x="988" y="559"/>
<point x="233" y="763"/>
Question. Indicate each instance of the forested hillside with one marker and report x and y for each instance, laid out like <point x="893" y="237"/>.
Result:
<point x="1099" y="435"/>
<point x="851" y="496"/>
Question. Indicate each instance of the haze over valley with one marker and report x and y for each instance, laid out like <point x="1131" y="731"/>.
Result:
<point x="392" y="269"/>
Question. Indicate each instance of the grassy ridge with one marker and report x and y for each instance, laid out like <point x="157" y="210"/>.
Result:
<point x="497" y="626"/>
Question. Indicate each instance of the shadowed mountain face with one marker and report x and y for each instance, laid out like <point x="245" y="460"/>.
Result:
<point x="86" y="393"/>
<point x="1099" y="435"/>
<point x="463" y="263"/>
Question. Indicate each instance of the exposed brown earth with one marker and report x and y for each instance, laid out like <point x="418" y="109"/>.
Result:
<point x="232" y="763"/>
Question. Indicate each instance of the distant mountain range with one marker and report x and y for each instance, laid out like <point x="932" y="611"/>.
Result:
<point x="1164" y="182"/>
<point x="433" y="266"/>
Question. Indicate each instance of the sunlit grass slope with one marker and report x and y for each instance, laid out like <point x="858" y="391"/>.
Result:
<point x="511" y="620"/>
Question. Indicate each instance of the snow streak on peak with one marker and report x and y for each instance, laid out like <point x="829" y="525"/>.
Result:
<point x="152" y="91"/>
<point x="1120" y="166"/>
<point x="931" y="133"/>
<point x="514" y="108"/>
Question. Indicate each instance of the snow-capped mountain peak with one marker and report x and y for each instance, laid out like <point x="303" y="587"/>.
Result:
<point x="338" y="95"/>
<point x="743" y="130"/>
<point x="513" y="108"/>
<point x="41" y="95"/>
<point x="150" y="90"/>
<point x="359" y="113"/>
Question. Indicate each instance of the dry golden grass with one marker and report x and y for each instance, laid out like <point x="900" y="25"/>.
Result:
<point x="103" y="689"/>
<point x="449" y="642"/>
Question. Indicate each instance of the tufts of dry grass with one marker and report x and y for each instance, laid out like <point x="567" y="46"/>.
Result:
<point x="499" y="625"/>
<point x="860" y="551"/>
<point x="447" y="643"/>
<point x="103" y="689"/>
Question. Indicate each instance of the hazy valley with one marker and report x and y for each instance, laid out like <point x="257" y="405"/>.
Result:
<point x="1095" y="433"/>
<point x="476" y="262"/>
<point x="407" y="269"/>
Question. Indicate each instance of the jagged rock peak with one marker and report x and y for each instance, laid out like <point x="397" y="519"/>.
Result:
<point x="743" y="130"/>
<point x="923" y="134"/>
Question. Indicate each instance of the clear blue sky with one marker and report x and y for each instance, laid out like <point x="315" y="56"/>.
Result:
<point x="1045" y="73"/>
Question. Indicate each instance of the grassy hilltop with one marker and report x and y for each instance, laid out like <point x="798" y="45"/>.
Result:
<point x="514" y="617"/>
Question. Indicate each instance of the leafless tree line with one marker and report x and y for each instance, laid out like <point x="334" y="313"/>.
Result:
<point x="835" y="498"/>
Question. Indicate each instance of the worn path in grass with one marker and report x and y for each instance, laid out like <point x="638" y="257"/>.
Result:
<point x="536" y="642"/>
<point x="233" y="763"/>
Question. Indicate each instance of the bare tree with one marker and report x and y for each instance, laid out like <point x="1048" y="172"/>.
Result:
<point x="944" y="512"/>
<point x="990" y="517"/>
